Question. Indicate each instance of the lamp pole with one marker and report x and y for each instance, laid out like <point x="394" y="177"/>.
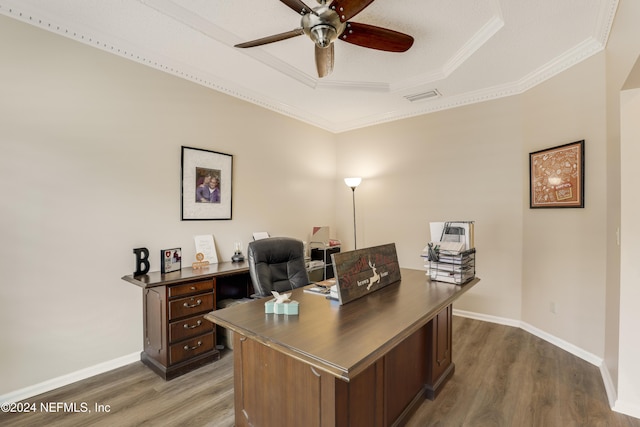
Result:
<point x="353" y="184"/>
<point x="353" y="196"/>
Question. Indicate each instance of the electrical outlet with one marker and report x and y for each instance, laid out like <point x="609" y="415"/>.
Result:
<point x="552" y="307"/>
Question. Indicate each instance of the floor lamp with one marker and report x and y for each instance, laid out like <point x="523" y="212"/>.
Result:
<point x="353" y="184"/>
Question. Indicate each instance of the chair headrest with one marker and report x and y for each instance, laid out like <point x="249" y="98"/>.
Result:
<point x="276" y="249"/>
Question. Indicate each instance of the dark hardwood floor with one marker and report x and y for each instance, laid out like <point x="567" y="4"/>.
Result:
<point x="504" y="377"/>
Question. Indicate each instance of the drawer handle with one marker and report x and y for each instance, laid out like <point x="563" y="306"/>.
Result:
<point x="186" y="347"/>
<point x="198" y="302"/>
<point x="198" y="323"/>
<point x="193" y="288"/>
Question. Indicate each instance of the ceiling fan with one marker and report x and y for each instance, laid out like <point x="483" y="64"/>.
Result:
<point x="328" y="22"/>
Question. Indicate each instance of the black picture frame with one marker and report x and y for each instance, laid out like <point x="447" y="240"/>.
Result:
<point x="200" y="199"/>
<point x="556" y="177"/>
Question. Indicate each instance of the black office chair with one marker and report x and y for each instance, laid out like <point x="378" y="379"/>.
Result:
<point x="276" y="264"/>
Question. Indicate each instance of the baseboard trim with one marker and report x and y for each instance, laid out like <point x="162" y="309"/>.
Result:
<point x="487" y="318"/>
<point x="626" y="408"/>
<point x="54" y="383"/>
<point x="615" y="404"/>
<point x="567" y="346"/>
<point x="609" y="386"/>
<point x="575" y="350"/>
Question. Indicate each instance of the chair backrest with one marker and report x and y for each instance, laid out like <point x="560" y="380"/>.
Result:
<point x="277" y="264"/>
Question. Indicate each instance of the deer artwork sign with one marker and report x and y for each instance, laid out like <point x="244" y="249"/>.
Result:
<point x="363" y="271"/>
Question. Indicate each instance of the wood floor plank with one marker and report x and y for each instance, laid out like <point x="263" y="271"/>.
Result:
<point x="504" y="377"/>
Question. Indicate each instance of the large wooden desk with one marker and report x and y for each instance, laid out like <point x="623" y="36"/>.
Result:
<point x="367" y="363"/>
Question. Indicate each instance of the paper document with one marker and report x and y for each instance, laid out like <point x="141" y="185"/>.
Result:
<point x="206" y="246"/>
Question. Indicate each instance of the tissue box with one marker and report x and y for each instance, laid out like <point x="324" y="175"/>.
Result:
<point x="289" y="307"/>
<point x="268" y="306"/>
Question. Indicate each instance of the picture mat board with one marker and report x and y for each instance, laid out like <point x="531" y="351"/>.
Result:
<point x="193" y="158"/>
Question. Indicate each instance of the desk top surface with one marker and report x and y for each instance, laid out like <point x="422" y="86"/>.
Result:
<point x="156" y="278"/>
<point x="344" y="339"/>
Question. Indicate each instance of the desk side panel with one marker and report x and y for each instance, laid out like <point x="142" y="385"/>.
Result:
<point x="272" y="389"/>
<point x="405" y="375"/>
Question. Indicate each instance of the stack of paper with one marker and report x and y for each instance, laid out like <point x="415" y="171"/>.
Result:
<point x="450" y="254"/>
<point x="456" y="235"/>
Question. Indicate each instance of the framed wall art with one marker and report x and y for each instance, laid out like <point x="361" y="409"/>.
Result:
<point x="206" y="184"/>
<point x="556" y="177"/>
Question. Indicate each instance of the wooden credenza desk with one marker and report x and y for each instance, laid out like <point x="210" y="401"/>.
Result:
<point x="370" y="362"/>
<point x="177" y="339"/>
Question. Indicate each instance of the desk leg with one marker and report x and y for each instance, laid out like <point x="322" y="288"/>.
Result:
<point x="440" y="365"/>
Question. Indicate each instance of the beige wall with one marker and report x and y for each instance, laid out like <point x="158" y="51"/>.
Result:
<point x="472" y="163"/>
<point x="90" y="169"/>
<point x="462" y="164"/>
<point x="564" y="249"/>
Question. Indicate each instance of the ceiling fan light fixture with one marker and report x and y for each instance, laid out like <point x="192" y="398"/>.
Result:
<point x="323" y="35"/>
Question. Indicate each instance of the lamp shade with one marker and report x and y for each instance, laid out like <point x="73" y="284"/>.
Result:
<point x="353" y="182"/>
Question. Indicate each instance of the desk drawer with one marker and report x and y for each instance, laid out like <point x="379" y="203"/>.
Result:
<point x="189" y="327"/>
<point x="191" y="348"/>
<point x="190" y="288"/>
<point x="190" y="306"/>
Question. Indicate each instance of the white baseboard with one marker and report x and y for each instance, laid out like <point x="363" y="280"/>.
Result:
<point x="609" y="386"/>
<point x="631" y="409"/>
<point x="567" y="346"/>
<point x="615" y="404"/>
<point x="576" y="351"/>
<point x="487" y="318"/>
<point x="54" y="383"/>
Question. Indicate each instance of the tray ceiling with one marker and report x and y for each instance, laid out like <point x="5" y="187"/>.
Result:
<point x="465" y="51"/>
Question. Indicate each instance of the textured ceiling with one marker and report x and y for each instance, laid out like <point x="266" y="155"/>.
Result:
<point x="465" y="51"/>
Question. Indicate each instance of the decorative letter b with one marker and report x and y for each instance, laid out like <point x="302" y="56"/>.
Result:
<point x="142" y="261"/>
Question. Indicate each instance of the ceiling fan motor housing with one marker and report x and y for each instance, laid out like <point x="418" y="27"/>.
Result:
<point x="323" y="26"/>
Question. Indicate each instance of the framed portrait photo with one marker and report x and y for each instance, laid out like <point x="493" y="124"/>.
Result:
<point x="556" y="177"/>
<point x="206" y="184"/>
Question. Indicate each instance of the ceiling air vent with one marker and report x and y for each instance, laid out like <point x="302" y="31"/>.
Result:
<point x="424" y="95"/>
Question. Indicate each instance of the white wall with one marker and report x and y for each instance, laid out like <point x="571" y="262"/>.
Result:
<point x="622" y="52"/>
<point x="629" y="353"/>
<point x="90" y="169"/>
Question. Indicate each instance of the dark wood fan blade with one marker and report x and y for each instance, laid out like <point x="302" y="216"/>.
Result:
<point x="376" y="37"/>
<point x="273" y="38"/>
<point x="298" y="6"/>
<point x="347" y="9"/>
<point x="324" y="60"/>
